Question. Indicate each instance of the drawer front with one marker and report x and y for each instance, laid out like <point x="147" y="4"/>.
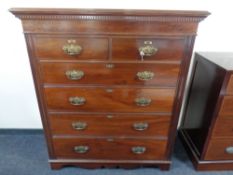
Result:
<point x="114" y="149"/>
<point x="226" y="107"/>
<point x="71" y="48"/>
<point x="110" y="124"/>
<point x="230" y="86"/>
<point x="110" y="73"/>
<point x="223" y="127"/>
<point x="164" y="49"/>
<point x="110" y="100"/>
<point x="220" y="149"/>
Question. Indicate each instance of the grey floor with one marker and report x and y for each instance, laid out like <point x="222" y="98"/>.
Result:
<point x="26" y="154"/>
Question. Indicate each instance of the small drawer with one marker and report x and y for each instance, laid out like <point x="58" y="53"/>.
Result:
<point x="226" y="107"/>
<point x="223" y="127"/>
<point x="230" y="86"/>
<point x="110" y="73"/>
<point x="220" y="149"/>
<point x="110" y="99"/>
<point x="110" y="124"/>
<point x="153" y="49"/>
<point x="70" y="48"/>
<point x="110" y="148"/>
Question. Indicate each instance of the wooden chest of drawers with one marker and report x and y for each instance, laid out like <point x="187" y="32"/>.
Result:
<point x="109" y="82"/>
<point x="207" y="129"/>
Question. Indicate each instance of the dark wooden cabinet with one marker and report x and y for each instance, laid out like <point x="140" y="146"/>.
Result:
<point x="207" y="126"/>
<point x="109" y="82"/>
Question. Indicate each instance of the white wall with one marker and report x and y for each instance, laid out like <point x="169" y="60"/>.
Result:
<point x="18" y="105"/>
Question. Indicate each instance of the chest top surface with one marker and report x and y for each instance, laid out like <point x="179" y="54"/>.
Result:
<point x="138" y="12"/>
<point x="222" y="59"/>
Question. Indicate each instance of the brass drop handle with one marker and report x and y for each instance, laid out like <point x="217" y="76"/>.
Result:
<point x="145" y="75"/>
<point x="71" y="48"/>
<point x="81" y="149"/>
<point x="229" y="150"/>
<point x="147" y="49"/>
<point x="138" y="149"/>
<point x="140" y="126"/>
<point x="74" y="74"/>
<point x="142" y="101"/>
<point x="79" y="125"/>
<point x="77" y="101"/>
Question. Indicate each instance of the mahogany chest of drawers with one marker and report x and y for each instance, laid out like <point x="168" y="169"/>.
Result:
<point x="109" y="82"/>
<point x="207" y="127"/>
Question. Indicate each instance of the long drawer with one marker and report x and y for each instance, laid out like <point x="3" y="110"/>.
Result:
<point x="223" y="127"/>
<point x="229" y="89"/>
<point x="110" y="99"/>
<point x="70" y="48"/>
<point x="220" y="149"/>
<point x="226" y="107"/>
<point x="165" y="49"/>
<point x="118" y="149"/>
<point x="110" y="73"/>
<point x="110" y="124"/>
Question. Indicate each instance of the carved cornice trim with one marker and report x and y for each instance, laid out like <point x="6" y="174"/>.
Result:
<point x="184" y="19"/>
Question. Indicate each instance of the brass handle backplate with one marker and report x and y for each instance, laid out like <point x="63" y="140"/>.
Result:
<point x="229" y="150"/>
<point x="74" y="74"/>
<point x="145" y="75"/>
<point x="81" y="149"/>
<point x="138" y="149"/>
<point x="143" y="101"/>
<point x="147" y="49"/>
<point x="71" y="48"/>
<point x="77" y="101"/>
<point x="79" y="125"/>
<point x="140" y="126"/>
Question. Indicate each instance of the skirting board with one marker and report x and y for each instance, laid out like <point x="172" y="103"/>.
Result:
<point x="20" y="131"/>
